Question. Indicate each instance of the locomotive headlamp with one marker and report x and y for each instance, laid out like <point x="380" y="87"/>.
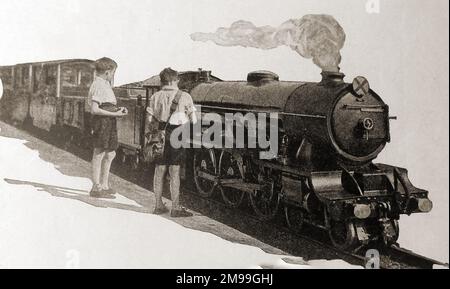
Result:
<point x="425" y="205"/>
<point x="362" y="211"/>
<point x="361" y="86"/>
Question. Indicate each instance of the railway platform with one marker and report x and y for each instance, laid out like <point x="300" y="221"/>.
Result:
<point x="45" y="204"/>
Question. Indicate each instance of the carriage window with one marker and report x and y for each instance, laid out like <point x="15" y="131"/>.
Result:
<point x="76" y="77"/>
<point x="25" y="76"/>
<point x="86" y="77"/>
<point x="70" y="77"/>
<point x="135" y="92"/>
<point x="6" y="76"/>
<point x="37" y="71"/>
<point x="50" y="73"/>
<point x="18" y="77"/>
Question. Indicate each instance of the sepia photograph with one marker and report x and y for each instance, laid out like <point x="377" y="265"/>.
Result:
<point x="247" y="135"/>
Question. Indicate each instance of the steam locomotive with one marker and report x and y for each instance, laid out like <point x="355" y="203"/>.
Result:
<point x="322" y="174"/>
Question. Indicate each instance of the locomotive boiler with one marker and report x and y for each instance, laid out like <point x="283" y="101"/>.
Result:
<point x="323" y="174"/>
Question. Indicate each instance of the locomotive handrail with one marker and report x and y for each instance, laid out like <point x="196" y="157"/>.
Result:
<point x="365" y="107"/>
<point x="304" y="115"/>
<point x="357" y="106"/>
<point x="265" y="111"/>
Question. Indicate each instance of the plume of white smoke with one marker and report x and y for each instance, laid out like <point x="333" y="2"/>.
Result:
<point x="319" y="37"/>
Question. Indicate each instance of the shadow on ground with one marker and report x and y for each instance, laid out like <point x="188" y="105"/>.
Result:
<point x="228" y="224"/>
<point x="77" y="195"/>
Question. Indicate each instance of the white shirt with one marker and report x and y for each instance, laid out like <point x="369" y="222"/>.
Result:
<point x="100" y="92"/>
<point x="161" y="101"/>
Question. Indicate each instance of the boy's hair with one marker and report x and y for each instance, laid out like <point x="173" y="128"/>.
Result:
<point x="104" y="64"/>
<point x="168" y="75"/>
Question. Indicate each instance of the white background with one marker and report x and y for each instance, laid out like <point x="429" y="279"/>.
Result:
<point x="402" y="50"/>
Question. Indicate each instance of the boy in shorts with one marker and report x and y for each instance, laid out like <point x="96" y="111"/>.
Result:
<point x="159" y="113"/>
<point x="104" y="125"/>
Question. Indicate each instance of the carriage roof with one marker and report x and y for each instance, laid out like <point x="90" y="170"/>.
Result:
<point x="56" y="62"/>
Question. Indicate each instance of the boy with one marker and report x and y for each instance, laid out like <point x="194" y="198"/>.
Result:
<point x="104" y="126"/>
<point x="159" y="113"/>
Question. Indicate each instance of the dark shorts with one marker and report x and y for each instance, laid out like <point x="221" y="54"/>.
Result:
<point x="105" y="133"/>
<point x="172" y="156"/>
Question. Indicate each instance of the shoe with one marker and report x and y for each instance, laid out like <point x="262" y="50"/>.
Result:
<point x="181" y="213"/>
<point x="160" y="211"/>
<point x="97" y="193"/>
<point x="108" y="191"/>
<point x="100" y="195"/>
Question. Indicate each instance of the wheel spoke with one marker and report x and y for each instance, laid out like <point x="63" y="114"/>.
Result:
<point x="264" y="207"/>
<point x="294" y="218"/>
<point x="229" y="169"/>
<point x="204" y="161"/>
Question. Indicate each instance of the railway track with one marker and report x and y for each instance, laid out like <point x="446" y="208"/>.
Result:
<point x="399" y="258"/>
<point x="311" y="244"/>
<point x="389" y="258"/>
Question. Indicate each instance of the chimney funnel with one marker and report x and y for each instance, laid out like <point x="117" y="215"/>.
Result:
<point x="332" y="78"/>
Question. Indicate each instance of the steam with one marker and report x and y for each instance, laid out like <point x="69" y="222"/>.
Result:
<point x="316" y="37"/>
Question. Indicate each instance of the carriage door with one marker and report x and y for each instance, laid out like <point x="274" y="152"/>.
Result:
<point x="44" y="96"/>
<point x="76" y="79"/>
<point x="129" y="127"/>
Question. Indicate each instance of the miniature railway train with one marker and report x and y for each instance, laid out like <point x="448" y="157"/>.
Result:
<point x="323" y="173"/>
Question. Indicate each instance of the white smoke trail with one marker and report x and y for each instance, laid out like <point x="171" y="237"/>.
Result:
<point x="319" y="37"/>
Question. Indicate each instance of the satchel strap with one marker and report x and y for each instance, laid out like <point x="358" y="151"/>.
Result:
<point x="174" y="106"/>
